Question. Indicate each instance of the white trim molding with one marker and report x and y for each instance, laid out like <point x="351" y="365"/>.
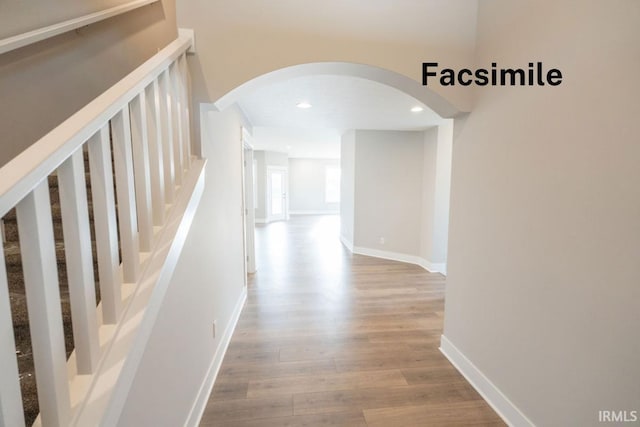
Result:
<point x="397" y="256"/>
<point x="200" y="403"/>
<point x="11" y="43"/>
<point x="261" y="221"/>
<point x="328" y="212"/>
<point x="347" y="243"/>
<point x="483" y="385"/>
<point x="433" y="267"/>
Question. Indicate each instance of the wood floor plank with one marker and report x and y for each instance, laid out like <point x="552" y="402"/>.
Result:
<point x="328" y="338"/>
<point x="261" y="371"/>
<point x="387" y="360"/>
<point x="293" y="353"/>
<point x="223" y="411"/>
<point x="325" y="382"/>
<point x="336" y="419"/>
<point x="336" y="401"/>
<point x="468" y="413"/>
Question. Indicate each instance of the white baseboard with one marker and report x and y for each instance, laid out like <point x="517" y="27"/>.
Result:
<point x="434" y="267"/>
<point x="329" y="212"/>
<point x="347" y="243"/>
<point x="260" y="221"/>
<point x="397" y="256"/>
<point x="195" y="415"/>
<point x="492" y="394"/>
<point x="394" y="256"/>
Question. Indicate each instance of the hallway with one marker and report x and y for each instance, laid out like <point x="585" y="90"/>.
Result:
<point x="328" y="338"/>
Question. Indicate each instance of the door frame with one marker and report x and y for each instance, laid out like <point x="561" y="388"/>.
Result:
<point x="248" y="208"/>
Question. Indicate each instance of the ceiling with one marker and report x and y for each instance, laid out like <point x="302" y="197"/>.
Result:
<point x="339" y="103"/>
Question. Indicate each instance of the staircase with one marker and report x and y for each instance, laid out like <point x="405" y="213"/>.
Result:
<point x="94" y="217"/>
<point x="17" y="294"/>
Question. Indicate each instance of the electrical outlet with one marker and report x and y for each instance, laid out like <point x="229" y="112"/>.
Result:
<point x="214" y="328"/>
<point x="382" y="240"/>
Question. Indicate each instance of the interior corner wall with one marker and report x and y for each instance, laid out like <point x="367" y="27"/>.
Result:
<point x="207" y="286"/>
<point x="388" y="191"/>
<point x="543" y="280"/>
<point x="43" y="84"/>
<point x="347" y="186"/>
<point x="442" y="191"/>
<point x="429" y="167"/>
<point x="307" y="186"/>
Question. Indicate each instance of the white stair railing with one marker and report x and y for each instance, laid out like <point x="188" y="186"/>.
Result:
<point x="146" y="116"/>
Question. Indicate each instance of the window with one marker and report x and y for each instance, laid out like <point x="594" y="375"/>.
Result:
<point x="332" y="184"/>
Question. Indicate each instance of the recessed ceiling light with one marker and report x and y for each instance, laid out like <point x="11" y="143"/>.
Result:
<point x="417" y="109"/>
<point x="303" y="104"/>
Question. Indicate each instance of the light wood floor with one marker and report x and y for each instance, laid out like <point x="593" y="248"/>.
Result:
<point x="333" y="339"/>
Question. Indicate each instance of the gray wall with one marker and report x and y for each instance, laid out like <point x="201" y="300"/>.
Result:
<point x="43" y="84"/>
<point x="543" y="287"/>
<point x="246" y="39"/>
<point x="307" y="185"/>
<point x="388" y="190"/>
<point x="347" y="185"/>
<point x="395" y="188"/>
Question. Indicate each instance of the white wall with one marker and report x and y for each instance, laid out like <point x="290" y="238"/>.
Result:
<point x="248" y="39"/>
<point x="543" y="282"/>
<point x="207" y="285"/>
<point x="39" y="89"/>
<point x="307" y="184"/>
<point x="347" y="186"/>
<point x="388" y="190"/>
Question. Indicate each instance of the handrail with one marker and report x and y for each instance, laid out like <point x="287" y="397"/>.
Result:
<point x="135" y="135"/>
<point x="22" y="174"/>
<point x="30" y="37"/>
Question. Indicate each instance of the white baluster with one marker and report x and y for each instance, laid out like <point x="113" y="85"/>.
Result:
<point x="167" y="136"/>
<point x="104" y="220"/>
<point x="123" y="162"/>
<point x="176" y="119"/>
<point x="77" y="246"/>
<point x="156" y="167"/>
<point x="10" y="399"/>
<point x="186" y="100"/>
<point x="43" y="302"/>
<point x="140" y="146"/>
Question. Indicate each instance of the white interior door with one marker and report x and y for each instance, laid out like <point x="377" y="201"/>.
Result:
<point x="277" y="193"/>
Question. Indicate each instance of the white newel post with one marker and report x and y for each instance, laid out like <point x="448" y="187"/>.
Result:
<point x="140" y="145"/>
<point x="10" y="398"/>
<point x="43" y="302"/>
<point x="79" y="259"/>
<point x="104" y="221"/>
<point x="186" y="123"/>
<point x="176" y="120"/>
<point x="167" y="135"/>
<point x="156" y="162"/>
<point x="125" y="191"/>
